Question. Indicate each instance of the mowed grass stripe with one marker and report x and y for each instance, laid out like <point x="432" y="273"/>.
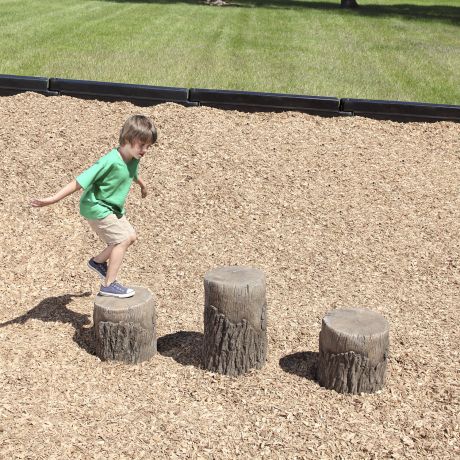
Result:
<point x="305" y="48"/>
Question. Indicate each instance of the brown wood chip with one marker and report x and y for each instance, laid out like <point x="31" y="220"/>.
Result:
<point x="337" y="212"/>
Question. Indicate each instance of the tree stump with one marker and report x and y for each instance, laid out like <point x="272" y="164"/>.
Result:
<point x="235" y="320"/>
<point x="353" y="351"/>
<point x="125" y="328"/>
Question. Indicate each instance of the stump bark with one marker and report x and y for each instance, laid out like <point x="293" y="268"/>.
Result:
<point x="235" y="320"/>
<point x="353" y="351"/>
<point x="125" y="328"/>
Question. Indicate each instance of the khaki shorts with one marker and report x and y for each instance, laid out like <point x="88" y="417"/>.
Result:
<point x="111" y="229"/>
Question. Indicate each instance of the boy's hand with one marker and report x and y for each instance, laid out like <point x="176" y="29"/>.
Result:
<point x="141" y="184"/>
<point x="65" y="191"/>
<point x="40" y="202"/>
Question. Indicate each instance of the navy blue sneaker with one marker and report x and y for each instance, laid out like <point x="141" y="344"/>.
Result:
<point x="116" y="290"/>
<point x="100" y="269"/>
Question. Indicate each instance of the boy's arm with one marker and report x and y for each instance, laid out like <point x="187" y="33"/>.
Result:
<point x="65" y="191"/>
<point x="140" y="182"/>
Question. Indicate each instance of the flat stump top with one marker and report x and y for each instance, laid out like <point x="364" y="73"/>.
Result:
<point x="141" y="296"/>
<point x="356" y="322"/>
<point x="235" y="276"/>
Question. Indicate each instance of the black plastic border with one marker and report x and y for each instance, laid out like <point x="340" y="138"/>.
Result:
<point x="246" y="101"/>
<point x="255" y="101"/>
<point x="401" y="110"/>
<point x="14" y="84"/>
<point x="143" y="95"/>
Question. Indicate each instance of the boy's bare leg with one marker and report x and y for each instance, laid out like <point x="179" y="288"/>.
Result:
<point x="104" y="255"/>
<point x="115" y="260"/>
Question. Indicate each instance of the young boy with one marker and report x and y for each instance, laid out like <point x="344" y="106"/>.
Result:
<point x="105" y="187"/>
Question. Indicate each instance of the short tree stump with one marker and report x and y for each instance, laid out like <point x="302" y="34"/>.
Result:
<point x="125" y="328"/>
<point x="235" y="320"/>
<point x="353" y="351"/>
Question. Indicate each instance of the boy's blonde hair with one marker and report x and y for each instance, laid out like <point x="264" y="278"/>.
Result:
<point x="138" y="128"/>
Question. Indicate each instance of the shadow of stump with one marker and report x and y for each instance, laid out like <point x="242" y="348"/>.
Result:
<point x="304" y="364"/>
<point x="185" y="347"/>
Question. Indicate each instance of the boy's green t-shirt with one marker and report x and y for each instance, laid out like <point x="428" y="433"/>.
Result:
<point x="106" y="185"/>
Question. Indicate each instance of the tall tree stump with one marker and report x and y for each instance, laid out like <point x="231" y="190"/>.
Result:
<point x="125" y="328"/>
<point x="353" y="351"/>
<point x="235" y="320"/>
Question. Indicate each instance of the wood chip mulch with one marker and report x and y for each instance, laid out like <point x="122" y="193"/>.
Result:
<point x="338" y="212"/>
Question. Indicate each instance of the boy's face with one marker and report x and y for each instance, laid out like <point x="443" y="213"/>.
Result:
<point x="137" y="149"/>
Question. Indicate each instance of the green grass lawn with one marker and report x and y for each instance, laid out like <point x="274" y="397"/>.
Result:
<point x="384" y="50"/>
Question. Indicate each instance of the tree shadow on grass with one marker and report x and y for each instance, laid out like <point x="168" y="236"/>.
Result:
<point x="442" y="13"/>
<point x="303" y="364"/>
<point x="54" y="309"/>
<point x="185" y="347"/>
